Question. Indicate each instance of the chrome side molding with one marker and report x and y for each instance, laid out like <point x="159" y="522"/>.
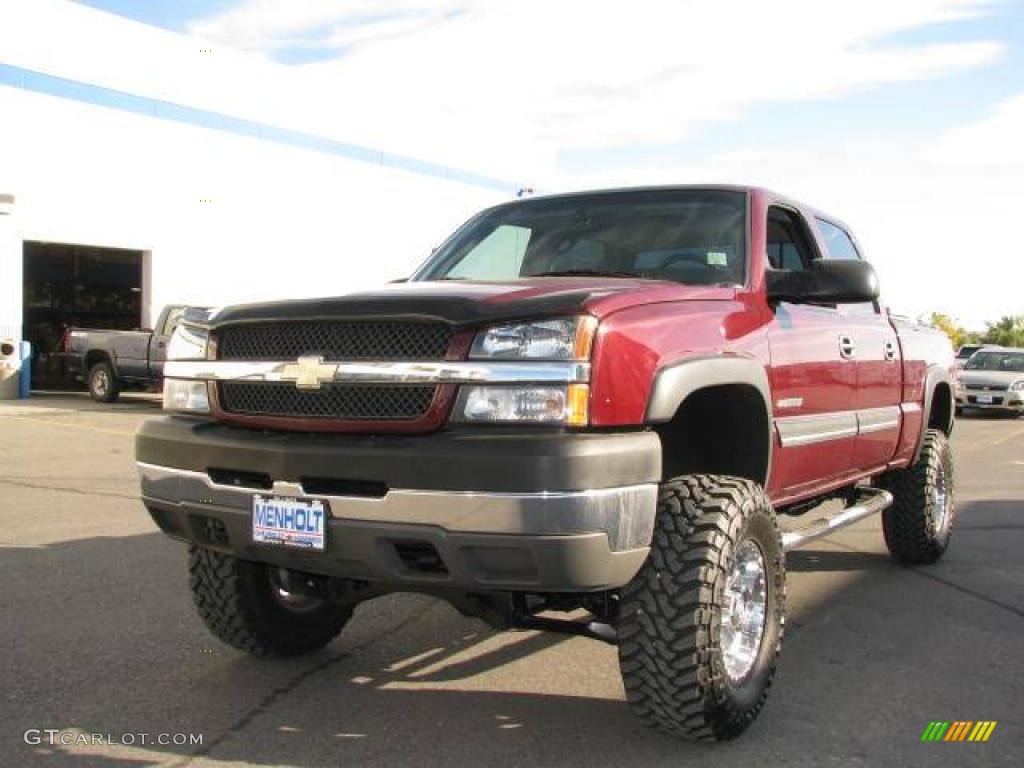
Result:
<point x="805" y="430"/>
<point x="822" y="427"/>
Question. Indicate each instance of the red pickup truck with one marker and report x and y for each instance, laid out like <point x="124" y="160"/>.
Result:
<point x="630" y="402"/>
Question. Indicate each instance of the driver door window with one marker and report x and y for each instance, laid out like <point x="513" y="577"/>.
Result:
<point x="788" y="246"/>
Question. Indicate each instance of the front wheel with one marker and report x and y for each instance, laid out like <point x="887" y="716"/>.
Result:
<point x="247" y="606"/>
<point x="700" y="625"/>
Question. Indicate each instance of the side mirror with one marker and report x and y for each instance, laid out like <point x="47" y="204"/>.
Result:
<point x="827" y="281"/>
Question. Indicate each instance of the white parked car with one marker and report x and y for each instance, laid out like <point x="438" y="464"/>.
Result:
<point x="992" y="379"/>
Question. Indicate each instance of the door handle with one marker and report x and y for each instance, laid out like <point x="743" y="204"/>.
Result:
<point x="847" y="348"/>
<point x="890" y="351"/>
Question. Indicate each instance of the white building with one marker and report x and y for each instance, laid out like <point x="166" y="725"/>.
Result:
<point x="147" y="170"/>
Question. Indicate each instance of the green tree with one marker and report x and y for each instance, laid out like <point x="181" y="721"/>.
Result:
<point x="1008" y="331"/>
<point x="945" y="323"/>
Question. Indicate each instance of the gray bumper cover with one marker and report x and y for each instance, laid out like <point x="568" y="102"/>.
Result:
<point x="542" y="540"/>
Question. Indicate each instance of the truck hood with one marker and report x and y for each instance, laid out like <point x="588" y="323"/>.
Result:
<point x="472" y="303"/>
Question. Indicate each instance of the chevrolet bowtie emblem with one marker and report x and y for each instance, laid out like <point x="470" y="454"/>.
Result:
<point x="309" y="372"/>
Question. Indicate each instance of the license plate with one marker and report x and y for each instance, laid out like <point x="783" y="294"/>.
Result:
<point x="288" y="522"/>
<point x="984" y="398"/>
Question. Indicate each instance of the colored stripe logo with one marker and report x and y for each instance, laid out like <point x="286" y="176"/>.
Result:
<point x="958" y="730"/>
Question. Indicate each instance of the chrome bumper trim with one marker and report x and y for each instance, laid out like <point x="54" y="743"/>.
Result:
<point x="625" y="514"/>
<point x="427" y="372"/>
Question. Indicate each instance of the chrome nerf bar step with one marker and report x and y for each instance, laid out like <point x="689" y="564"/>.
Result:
<point x="871" y="502"/>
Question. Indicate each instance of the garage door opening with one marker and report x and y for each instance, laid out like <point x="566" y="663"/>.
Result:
<point x="67" y="285"/>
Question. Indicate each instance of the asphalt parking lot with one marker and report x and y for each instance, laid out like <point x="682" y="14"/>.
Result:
<point x="99" y="636"/>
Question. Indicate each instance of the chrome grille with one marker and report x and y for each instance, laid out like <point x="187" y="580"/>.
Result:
<point x="335" y="340"/>
<point x="334" y="401"/>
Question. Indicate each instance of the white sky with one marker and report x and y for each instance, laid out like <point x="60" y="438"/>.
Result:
<point x="574" y="94"/>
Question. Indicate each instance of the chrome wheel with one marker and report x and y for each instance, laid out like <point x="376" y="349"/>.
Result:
<point x="743" y="611"/>
<point x="942" y="500"/>
<point x="101" y="384"/>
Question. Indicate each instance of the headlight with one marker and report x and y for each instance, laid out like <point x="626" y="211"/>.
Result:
<point x="559" y="404"/>
<point x="186" y="396"/>
<point x="567" y="338"/>
<point x="1017" y="386"/>
<point x="188" y="343"/>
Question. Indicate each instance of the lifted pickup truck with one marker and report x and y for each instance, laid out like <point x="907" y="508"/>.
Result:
<point x="630" y="402"/>
<point x="110" y="361"/>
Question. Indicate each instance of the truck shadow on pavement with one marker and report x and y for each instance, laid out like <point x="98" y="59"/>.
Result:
<point x="103" y="639"/>
<point x="822" y="560"/>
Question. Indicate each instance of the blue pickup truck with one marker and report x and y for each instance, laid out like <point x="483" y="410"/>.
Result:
<point x="109" y="361"/>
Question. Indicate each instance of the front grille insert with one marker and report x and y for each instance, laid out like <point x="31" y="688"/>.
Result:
<point x="362" y="402"/>
<point x="335" y="340"/>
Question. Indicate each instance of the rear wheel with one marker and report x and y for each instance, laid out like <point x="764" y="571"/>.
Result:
<point x="919" y="523"/>
<point x="700" y="625"/>
<point x="248" y="606"/>
<point x="103" y="385"/>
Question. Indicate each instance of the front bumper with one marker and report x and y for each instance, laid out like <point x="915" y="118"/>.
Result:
<point x="1002" y="400"/>
<point x="497" y="510"/>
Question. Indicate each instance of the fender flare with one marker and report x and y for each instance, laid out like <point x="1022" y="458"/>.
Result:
<point x="674" y="383"/>
<point x="101" y="356"/>
<point x="936" y="375"/>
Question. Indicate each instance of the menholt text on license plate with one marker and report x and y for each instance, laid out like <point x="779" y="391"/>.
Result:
<point x="288" y="522"/>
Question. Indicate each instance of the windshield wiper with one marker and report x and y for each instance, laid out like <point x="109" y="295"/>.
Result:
<point x="587" y="273"/>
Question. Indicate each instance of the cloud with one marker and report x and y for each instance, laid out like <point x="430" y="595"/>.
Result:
<point x="498" y="82"/>
<point x="279" y="26"/>
<point x="994" y="141"/>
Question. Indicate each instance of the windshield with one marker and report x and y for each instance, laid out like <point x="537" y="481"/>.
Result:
<point x="996" y="361"/>
<point x="689" y="236"/>
<point x="966" y="351"/>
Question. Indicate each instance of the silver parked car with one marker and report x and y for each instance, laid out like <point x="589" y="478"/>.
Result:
<point x="992" y="379"/>
<point x="966" y="351"/>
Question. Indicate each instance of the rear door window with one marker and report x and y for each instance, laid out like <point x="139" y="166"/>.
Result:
<point x="839" y="245"/>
